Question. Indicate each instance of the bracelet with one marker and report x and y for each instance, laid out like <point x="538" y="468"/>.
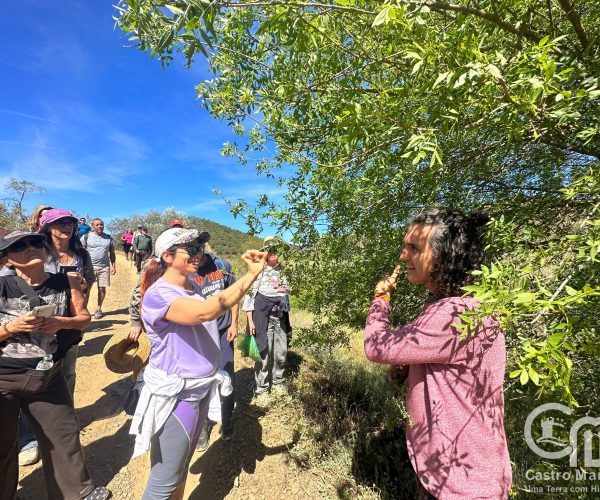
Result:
<point x="383" y="295"/>
<point x="7" y="331"/>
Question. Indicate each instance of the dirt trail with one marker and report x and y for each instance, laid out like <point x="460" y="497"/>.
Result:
<point x="254" y="465"/>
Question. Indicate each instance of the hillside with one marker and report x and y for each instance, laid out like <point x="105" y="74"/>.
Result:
<point x="225" y="241"/>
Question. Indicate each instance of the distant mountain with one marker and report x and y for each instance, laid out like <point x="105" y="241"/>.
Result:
<point x="225" y="241"/>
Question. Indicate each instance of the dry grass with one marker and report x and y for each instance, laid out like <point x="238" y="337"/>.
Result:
<point x="348" y="423"/>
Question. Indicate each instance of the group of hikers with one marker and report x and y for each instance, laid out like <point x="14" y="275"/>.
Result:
<point x="186" y="305"/>
<point x="183" y="306"/>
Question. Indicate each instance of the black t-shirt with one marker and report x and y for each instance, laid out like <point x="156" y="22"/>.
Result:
<point x="23" y="351"/>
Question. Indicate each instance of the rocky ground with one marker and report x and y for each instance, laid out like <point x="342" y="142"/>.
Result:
<point x="254" y="465"/>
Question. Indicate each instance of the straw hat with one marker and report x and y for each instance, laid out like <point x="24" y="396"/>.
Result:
<point x="123" y="355"/>
<point x="272" y="242"/>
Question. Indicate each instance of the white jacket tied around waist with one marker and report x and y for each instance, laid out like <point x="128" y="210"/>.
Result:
<point x="159" y="398"/>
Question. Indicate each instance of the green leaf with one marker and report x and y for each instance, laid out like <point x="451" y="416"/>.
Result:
<point x="524" y="377"/>
<point x="174" y="9"/>
<point x="460" y="81"/>
<point x="383" y="17"/>
<point x="441" y="78"/>
<point x="534" y="376"/>
<point x="494" y="71"/>
<point x="556" y="338"/>
<point x="524" y="298"/>
<point x="416" y="67"/>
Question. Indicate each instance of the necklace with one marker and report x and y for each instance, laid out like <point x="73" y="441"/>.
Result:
<point x="64" y="257"/>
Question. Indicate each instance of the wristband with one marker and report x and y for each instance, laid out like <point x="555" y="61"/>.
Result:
<point x="383" y="295"/>
<point x="10" y="334"/>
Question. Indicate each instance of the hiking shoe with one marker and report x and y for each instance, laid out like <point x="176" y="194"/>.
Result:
<point x="99" y="493"/>
<point x="204" y="437"/>
<point x="30" y="456"/>
<point x="98" y="314"/>
<point x="228" y="433"/>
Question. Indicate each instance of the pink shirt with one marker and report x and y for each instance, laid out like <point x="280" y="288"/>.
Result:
<point x="127" y="238"/>
<point x="454" y="398"/>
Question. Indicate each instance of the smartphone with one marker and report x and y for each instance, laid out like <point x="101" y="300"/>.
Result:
<point x="69" y="269"/>
<point x="46" y="311"/>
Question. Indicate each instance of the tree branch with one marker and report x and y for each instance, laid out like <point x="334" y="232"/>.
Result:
<point x="575" y="20"/>
<point x="571" y="147"/>
<point x="438" y="7"/>
<point x="316" y="5"/>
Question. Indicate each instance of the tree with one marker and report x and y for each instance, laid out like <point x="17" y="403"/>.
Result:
<point x="12" y="213"/>
<point x="386" y="108"/>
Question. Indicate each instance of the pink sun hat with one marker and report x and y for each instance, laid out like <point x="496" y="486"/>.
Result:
<point x="55" y="214"/>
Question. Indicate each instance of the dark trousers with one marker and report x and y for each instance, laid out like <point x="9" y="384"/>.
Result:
<point x="43" y="398"/>
<point x="26" y="432"/>
<point x="227" y="403"/>
<point x="140" y="257"/>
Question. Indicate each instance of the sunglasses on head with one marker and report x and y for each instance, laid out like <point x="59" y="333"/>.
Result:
<point x="193" y="249"/>
<point x="272" y="249"/>
<point x="21" y="245"/>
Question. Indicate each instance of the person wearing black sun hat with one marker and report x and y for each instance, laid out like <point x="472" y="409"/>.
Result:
<point x="35" y="307"/>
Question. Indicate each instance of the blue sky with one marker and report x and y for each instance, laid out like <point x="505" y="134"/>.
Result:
<point x="103" y="128"/>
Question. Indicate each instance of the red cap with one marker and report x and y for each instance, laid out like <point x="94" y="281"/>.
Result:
<point x="175" y="222"/>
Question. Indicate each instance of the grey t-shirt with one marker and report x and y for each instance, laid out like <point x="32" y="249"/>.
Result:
<point x="98" y="247"/>
<point x="85" y="267"/>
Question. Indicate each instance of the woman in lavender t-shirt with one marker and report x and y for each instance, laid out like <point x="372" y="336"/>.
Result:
<point x="183" y="376"/>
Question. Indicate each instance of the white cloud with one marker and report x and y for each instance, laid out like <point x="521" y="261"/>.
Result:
<point x="208" y="206"/>
<point x="26" y="115"/>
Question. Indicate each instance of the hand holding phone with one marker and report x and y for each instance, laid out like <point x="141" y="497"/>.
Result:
<point x="45" y="311"/>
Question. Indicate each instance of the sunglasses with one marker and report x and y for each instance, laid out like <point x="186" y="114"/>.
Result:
<point x="193" y="249"/>
<point x="21" y="245"/>
<point x="63" y="222"/>
<point x="271" y="249"/>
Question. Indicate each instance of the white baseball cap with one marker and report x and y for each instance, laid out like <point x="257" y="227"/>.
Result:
<point x="174" y="236"/>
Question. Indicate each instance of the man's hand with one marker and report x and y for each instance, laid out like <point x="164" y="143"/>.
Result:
<point x="388" y="284"/>
<point x="134" y="332"/>
<point x="251" y="327"/>
<point x="232" y="333"/>
<point x="397" y="374"/>
<point x="113" y="269"/>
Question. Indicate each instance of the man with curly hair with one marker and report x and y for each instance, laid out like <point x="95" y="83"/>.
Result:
<point x="454" y="397"/>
